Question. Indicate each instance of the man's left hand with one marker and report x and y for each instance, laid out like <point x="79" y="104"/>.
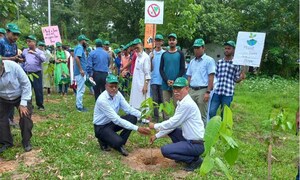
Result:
<point x="206" y="97"/>
<point x="145" y="89"/>
<point x="23" y="110"/>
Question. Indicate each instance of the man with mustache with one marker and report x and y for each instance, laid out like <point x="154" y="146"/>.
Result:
<point x="185" y="128"/>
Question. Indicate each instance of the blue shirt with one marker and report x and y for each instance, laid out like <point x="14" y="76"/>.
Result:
<point x="118" y="63"/>
<point x="8" y="49"/>
<point x="172" y="66"/>
<point x="34" y="61"/>
<point x="98" y="60"/>
<point x="155" y="74"/>
<point x="14" y="83"/>
<point x="107" y="108"/>
<point x="199" y="69"/>
<point x="79" y="52"/>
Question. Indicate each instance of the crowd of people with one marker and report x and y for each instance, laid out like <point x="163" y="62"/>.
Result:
<point x="198" y="87"/>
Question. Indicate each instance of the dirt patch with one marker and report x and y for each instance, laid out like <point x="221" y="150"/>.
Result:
<point x="36" y="118"/>
<point x="29" y="159"/>
<point x="53" y="101"/>
<point x="141" y="160"/>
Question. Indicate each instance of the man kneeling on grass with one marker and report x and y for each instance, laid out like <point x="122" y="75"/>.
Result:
<point x="107" y="121"/>
<point x="187" y="141"/>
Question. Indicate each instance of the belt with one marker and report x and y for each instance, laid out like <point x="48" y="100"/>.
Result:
<point x="196" y="141"/>
<point x="198" y="87"/>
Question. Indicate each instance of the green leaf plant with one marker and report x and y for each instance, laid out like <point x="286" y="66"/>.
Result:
<point x="218" y="133"/>
<point x="276" y="123"/>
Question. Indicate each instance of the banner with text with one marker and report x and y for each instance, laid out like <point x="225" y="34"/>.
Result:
<point x="249" y="48"/>
<point x="51" y="35"/>
<point x="150" y="31"/>
<point x="154" y="12"/>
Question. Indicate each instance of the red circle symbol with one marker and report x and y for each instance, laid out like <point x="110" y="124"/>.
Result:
<point x="153" y="10"/>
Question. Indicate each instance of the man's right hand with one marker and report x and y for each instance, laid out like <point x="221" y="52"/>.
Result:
<point x="170" y="83"/>
<point x="144" y="130"/>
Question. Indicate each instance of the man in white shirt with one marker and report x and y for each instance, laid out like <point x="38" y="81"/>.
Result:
<point x="15" y="91"/>
<point x="107" y="121"/>
<point x="187" y="141"/>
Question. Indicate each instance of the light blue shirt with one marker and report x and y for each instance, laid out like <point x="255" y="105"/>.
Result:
<point x="14" y="83"/>
<point x="79" y="52"/>
<point x="187" y="115"/>
<point x="155" y="74"/>
<point x="199" y="69"/>
<point x="98" y="60"/>
<point x="107" y="108"/>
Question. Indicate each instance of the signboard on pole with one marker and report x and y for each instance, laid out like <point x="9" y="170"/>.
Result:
<point x="150" y="31"/>
<point x="249" y="48"/>
<point x="154" y="12"/>
<point x="51" y="35"/>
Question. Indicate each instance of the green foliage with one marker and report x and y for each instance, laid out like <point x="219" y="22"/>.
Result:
<point x="147" y="108"/>
<point x="8" y="10"/>
<point x="216" y="130"/>
<point x="168" y="108"/>
<point x="31" y="76"/>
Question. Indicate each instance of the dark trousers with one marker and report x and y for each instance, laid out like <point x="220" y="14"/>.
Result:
<point x="100" y="79"/>
<point x="107" y="133"/>
<point x="181" y="149"/>
<point x="157" y="96"/>
<point x="37" y="85"/>
<point x="25" y="122"/>
<point x="61" y="90"/>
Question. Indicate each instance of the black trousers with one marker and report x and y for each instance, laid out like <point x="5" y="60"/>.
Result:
<point x="37" y="85"/>
<point x="100" y="79"/>
<point x="25" y="123"/>
<point x="107" y="133"/>
<point x="157" y="97"/>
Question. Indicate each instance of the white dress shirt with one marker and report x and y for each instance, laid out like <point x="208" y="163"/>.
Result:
<point x="107" y="108"/>
<point x="14" y="83"/>
<point x="187" y="115"/>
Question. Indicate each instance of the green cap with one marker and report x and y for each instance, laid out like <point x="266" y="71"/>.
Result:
<point x="125" y="47"/>
<point x="230" y="43"/>
<point x="136" y="41"/>
<point x="181" y="82"/>
<point x="188" y="60"/>
<point x="106" y="43"/>
<point x="116" y="51"/>
<point x="31" y="37"/>
<point x="112" y="79"/>
<point x="82" y="37"/>
<point x="172" y="35"/>
<point x="71" y="49"/>
<point x="13" y="28"/>
<point x="199" y="43"/>
<point x="159" y="36"/>
<point x="40" y="43"/>
<point x="89" y="49"/>
<point x="2" y="31"/>
<point x="98" y="42"/>
<point x="58" y="44"/>
<point x="122" y="46"/>
<point x="130" y="43"/>
<point x="178" y="48"/>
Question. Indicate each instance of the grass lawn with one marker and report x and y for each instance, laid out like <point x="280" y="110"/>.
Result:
<point x="70" y="150"/>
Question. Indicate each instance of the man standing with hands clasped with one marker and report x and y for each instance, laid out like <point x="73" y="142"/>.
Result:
<point x="107" y="121"/>
<point x="187" y="141"/>
<point x="201" y="74"/>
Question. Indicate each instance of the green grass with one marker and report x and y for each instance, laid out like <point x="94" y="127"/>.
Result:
<point x="70" y="149"/>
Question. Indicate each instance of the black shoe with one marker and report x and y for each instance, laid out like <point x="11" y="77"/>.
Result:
<point x="28" y="148"/>
<point x="4" y="148"/>
<point x="103" y="147"/>
<point x="40" y="108"/>
<point x="193" y="165"/>
<point x="123" y="151"/>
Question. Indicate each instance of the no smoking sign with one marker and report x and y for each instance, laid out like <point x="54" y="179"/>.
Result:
<point x="154" y="12"/>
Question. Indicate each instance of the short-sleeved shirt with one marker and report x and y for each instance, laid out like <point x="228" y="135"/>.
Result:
<point x="155" y="74"/>
<point x="199" y="69"/>
<point x="8" y="49"/>
<point x="98" y="60"/>
<point x="227" y="73"/>
<point x="79" y="52"/>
